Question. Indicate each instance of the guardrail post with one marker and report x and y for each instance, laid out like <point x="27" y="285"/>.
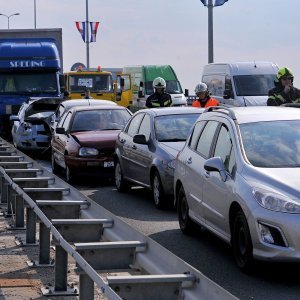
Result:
<point x="10" y="202"/>
<point x="19" y="212"/>
<point x="3" y="190"/>
<point x="30" y="227"/>
<point x="86" y="287"/>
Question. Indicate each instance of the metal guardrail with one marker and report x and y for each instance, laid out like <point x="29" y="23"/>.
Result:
<point x="99" y="241"/>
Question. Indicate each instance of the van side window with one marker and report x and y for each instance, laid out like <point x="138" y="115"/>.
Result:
<point x="215" y="84"/>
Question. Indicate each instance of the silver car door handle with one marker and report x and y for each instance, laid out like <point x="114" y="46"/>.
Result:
<point x="122" y="141"/>
<point x="206" y="174"/>
<point x="189" y="160"/>
<point x="134" y="147"/>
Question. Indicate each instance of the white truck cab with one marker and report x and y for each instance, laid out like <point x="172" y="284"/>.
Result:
<point x="240" y="83"/>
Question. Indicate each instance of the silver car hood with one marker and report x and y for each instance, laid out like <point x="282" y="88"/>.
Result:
<point x="172" y="147"/>
<point x="284" y="180"/>
<point x="255" y="100"/>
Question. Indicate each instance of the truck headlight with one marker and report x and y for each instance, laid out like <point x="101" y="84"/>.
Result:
<point x="84" y="151"/>
<point x="276" y="202"/>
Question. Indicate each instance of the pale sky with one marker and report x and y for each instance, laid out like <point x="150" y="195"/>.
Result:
<point x="137" y="32"/>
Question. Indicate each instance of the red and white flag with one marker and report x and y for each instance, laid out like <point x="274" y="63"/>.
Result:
<point x="81" y="28"/>
<point x="94" y="28"/>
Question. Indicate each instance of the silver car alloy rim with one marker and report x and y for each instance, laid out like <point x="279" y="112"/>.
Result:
<point x="156" y="192"/>
<point x="118" y="175"/>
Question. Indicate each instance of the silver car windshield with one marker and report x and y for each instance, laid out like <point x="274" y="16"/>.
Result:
<point x="174" y="128"/>
<point x="272" y="144"/>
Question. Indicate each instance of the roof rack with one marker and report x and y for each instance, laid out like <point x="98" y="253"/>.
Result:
<point x="221" y="109"/>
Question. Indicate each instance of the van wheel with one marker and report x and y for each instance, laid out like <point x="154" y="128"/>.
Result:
<point x="186" y="224"/>
<point x="241" y="242"/>
<point x="122" y="185"/>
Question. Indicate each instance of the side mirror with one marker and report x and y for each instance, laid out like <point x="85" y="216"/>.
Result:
<point x="60" y="130"/>
<point x="140" y="139"/>
<point x="227" y="94"/>
<point x="215" y="164"/>
<point x="122" y="83"/>
<point x="186" y="92"/>
<point x="62" y="83"/>
<point x="13" y="118"/>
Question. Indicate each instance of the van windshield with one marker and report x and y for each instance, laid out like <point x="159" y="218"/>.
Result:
<point x="254" y="85"/>
<point x="173" y="87"/>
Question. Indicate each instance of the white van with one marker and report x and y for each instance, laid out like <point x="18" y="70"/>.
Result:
<point x="240" y="83"/>
<point x="142" y="78"/>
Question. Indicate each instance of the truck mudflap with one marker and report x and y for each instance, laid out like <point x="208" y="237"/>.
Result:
<point x="98" y="240"/>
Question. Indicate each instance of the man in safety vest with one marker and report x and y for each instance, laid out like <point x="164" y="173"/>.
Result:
<point x="204" y="99"/>
<point x="284" y="91"/>
<point x="159" y="98"/>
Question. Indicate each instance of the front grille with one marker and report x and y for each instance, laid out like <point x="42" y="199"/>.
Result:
<point x="104" y="153"/>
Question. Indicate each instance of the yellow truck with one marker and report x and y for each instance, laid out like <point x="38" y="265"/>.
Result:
<point x="101" y="84"/>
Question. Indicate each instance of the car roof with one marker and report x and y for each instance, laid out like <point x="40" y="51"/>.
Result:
<point x="173" y="110"/>
<point x="85" y="102"/>
<point x="251" y="114"/>
<point x="99" y="107"/>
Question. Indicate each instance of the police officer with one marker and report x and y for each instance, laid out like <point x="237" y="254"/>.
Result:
<point x="203" y="97"/>
<point x="284" y="91"/>
<point x="159" y="98"/>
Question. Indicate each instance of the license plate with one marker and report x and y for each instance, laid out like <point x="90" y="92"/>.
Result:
<point x="108" y="164"/>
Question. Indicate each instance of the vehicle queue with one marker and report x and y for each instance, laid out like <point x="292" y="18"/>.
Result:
<point x="215" y="163"/>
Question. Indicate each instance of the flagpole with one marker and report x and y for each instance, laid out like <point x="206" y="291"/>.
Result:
<point x="210" y="32"/>
<point x="87" y="24"/>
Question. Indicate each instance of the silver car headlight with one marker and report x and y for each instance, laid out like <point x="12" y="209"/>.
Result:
<point x="84" y="151"/>
<point x="276" y="202"/>
<point x="27" y="126"/>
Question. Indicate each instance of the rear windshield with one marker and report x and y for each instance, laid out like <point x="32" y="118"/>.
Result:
<point x="254" y="85"/>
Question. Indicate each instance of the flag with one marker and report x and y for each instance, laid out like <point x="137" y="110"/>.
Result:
<point x="94" y="28"/>
<point x="81" y="28"/>
<point x="214" y="2"/>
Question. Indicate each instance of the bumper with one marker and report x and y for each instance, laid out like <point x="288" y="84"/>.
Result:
<point x="287" y="225"/>
<point x="91" y="166"/>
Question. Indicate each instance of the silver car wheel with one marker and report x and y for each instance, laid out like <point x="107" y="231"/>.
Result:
<point x="157" y="189"/>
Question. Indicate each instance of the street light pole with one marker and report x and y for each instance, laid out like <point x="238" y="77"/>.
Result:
<point x="8" y="17"/>
<point x="87" y="36"/>
<point x="210" y="32"/>
<point x="34" y="14"/>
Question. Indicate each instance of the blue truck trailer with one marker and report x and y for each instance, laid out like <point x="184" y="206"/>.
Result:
<point x="30" y="66"/>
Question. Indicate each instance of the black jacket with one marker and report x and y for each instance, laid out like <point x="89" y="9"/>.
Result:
<point x="277" y="96"/>
<point x="158" y="100"/>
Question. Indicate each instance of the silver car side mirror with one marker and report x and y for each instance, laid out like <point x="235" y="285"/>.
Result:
<point x="215" y="164"/>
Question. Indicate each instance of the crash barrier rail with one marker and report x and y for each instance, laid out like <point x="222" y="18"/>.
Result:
<point x="100" y="242"/>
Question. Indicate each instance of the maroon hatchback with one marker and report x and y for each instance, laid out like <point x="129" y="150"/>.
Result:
<point x="84" y="140"/>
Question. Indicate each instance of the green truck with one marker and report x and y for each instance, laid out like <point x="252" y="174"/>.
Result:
<point x="142" y="78"/>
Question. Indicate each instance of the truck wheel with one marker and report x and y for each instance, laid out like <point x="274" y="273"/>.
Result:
<point x="186" y="224"/>
<point x="241" y="242"/>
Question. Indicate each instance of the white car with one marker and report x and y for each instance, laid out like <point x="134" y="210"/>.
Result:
<point x="31" y="127"/>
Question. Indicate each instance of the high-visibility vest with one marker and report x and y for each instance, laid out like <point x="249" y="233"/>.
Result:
<point x="210" y="102"/>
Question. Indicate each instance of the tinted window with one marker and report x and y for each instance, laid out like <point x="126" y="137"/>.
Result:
<point x="206" y="138"/>
<point x="135" y="124"/>
<point x="224" y="148"/>
<point x="173" y="128"/>
<point x="254" y="85"/>
<point x="196" y="134"/>
<point x="145" y="128"/>
<point x="273" y="144"/>
<point x="215" y="84"/>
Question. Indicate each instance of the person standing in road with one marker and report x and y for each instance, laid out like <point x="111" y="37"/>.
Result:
<point x="159" y="98"/>
<point x="203" y="97"/>
<point x="284" y="91"/>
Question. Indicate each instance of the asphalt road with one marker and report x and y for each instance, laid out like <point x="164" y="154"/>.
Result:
<point x="202" y="250"/>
